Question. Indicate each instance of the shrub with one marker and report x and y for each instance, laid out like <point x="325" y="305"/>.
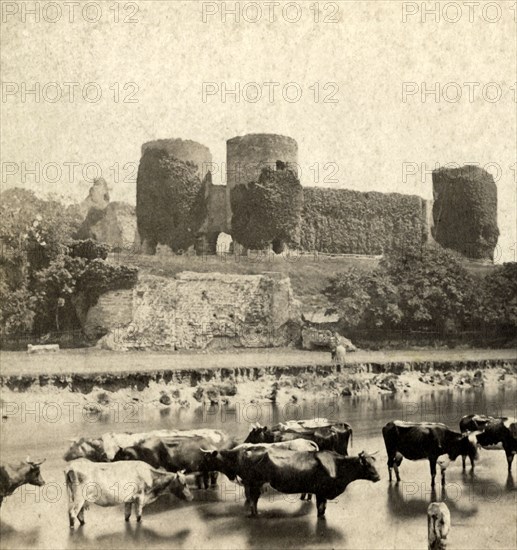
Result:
<point x="412" y="289"/>
<point x="88" y="249"/>
<point x="499" y="295"/>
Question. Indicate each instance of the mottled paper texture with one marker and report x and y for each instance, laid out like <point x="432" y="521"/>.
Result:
<point x="369" y="96"/>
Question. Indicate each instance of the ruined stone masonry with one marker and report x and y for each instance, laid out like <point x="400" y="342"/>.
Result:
<point x="198" y="311"/>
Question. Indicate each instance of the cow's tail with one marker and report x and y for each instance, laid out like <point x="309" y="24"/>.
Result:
<point x="351" y="437"/>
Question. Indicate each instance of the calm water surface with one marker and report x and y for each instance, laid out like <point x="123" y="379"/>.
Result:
<point x="483" y="507"/>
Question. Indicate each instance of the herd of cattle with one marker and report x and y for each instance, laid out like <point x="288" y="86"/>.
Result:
<point x="306" y="456"/>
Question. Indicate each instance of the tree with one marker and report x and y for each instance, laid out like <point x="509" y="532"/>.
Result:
<point x="499" y="296"/>
<point x="268" y="211"/>
<point x="414" y="288"/>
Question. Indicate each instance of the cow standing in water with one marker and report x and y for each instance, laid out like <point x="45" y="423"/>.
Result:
<point x="324" y="473"/>
<point x="15" y="474"/>
<point x="132" y="483"/>
<point x="420" y="440"/>
<point x="492" y="434"/>
<point x="328" y="436"/>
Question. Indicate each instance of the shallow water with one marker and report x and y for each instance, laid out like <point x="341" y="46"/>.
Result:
<point x="368" y="515"/>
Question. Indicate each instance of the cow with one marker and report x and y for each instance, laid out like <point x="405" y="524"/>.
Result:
<point x="419" y="440"/>
<point x="109" y="484"/>
<point x="473" y="423"/>
<point x="324" y="473"/>
<point x="293" y="445"/>
<point x="495" y="433"/>
<point x="105" y="447"/>
<point x="175" y="454"/>
<point x="15" y="474"/>
<point x="327" y="435"/>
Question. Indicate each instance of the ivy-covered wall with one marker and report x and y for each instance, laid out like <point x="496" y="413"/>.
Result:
<point x="465" y="211"/>
<point x="351" y="222"/>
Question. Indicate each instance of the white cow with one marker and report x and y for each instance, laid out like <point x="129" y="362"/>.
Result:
<point x="293" y="445"/>
<point x="112" y="483"/>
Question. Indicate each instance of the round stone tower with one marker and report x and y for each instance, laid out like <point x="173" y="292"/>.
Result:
<point x="247" y="155"/>
<point x="184" y="150"/>
<point x="166" y="208"/>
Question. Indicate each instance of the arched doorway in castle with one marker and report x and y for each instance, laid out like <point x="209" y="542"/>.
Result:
<point x="224" y="244"/>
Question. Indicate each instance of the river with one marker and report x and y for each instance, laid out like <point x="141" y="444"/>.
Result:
<point x="379" y="515"/>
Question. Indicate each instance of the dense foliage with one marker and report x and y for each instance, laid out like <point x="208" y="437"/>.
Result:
<point x="465" y="211"/>
<point x="425" y="289"/>
<point x="268" y="211"/>
<point x="351" y="222"/>
<point x="499" y="295"/>
<point x="42" y="269"/>
<point x="171" y="205"/>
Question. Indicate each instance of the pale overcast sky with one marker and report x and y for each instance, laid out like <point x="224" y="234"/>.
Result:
<point x="370" y="134"/>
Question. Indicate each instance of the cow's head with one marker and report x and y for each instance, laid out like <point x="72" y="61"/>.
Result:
<point x="92" y="449"/>
<point x="258" y="434"/>
<point x="179" y="487"/>
<point x="33" y="474"/>
<point x="221" y="461"/>
<point x="367" y="465"/>
<point x="466" y="445"/>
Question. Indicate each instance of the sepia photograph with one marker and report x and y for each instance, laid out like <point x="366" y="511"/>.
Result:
<point x="258" y="275"/>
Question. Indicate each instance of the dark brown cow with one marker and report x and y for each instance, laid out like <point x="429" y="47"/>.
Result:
<point x="419" y="440"/>
<point x="324" y="473"/>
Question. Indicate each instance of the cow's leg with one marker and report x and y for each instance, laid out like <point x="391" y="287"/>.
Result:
<point x="199" y="481"/>
<point x="206" y="479"/>
<point x="321" y="504"/>
<point x="248" y="497"/>
<point x="397" y="461"/>
<point x="432" y="464"/>
<point x="509" y="458"/>
<point x="80" y="515"/>
<point x="254" y="496"/>
<point x="302" y="496"/>
<point x="127" y="510"/>
<point x="74" y="511"/>
<point x="213" y="479"/>
<point x="1" y="500"/>
<point x="464" y="459"/>
<point x="139" y="503"/>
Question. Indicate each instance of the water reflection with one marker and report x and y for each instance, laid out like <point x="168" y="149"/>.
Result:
<point x="480" y="502"/>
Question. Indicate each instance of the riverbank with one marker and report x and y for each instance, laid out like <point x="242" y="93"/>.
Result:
<point x="99" y="381"/>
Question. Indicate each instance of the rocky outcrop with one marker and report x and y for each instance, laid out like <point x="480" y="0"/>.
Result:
<point x="317" y="338"/>
<point x="202" y="310"/>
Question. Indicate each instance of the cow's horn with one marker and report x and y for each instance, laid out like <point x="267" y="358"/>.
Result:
<point x="207" y="450"/>
<point x="28" y="460"/>
<point x="374" y="453"/>
<point x="38" y="462"/>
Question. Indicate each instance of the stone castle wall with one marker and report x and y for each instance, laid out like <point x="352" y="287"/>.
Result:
<point x="185" y="150"/>
<point x="463" y="216"/>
